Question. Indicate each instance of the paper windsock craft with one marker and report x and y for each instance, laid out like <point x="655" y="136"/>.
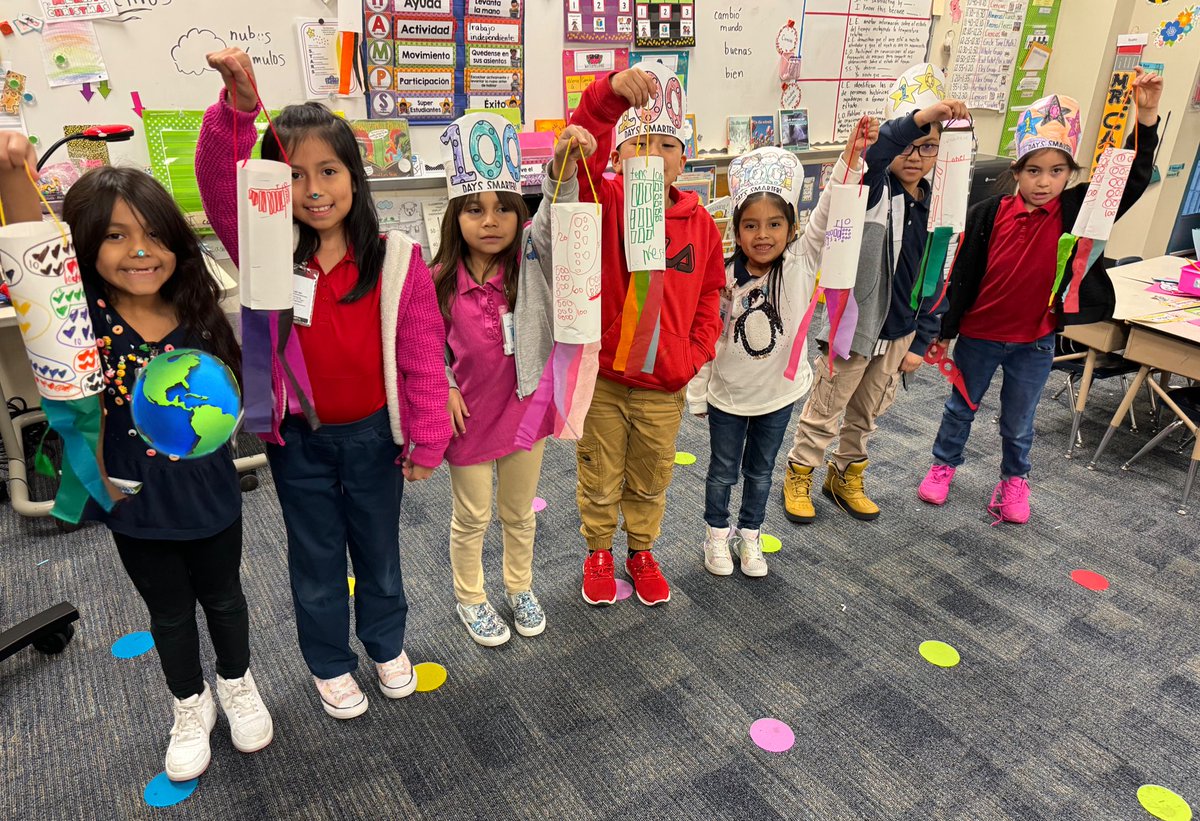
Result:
<point x="274" y="376"/>
<point x="42" y="273"/>
<point x="481" y="153"/>
<point x="919" y="87"/>
<point x="575" y="244"/>
<point x="766" y="170"/>
<point x="948" y="198"/>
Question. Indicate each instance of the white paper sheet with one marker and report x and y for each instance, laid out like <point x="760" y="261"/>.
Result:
<point x="575" y="251"/>
<point x="645" y="213"/>
<point x="265" y="235"/>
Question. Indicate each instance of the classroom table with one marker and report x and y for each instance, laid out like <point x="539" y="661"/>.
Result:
<point x="1169" y="343"/>
<point x="11" y="429"/>
<point x="1133" y="299"/>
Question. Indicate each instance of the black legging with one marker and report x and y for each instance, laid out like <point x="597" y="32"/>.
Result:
<point x="171" y="577"/>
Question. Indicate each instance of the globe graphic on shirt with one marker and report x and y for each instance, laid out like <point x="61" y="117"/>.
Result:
<point x="186" y="403"/>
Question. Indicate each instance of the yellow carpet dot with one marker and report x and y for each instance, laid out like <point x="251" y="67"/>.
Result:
<point x="430" y="676"/>
<point x="939" y="653"/>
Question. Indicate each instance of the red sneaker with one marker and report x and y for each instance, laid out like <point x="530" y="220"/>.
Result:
<point x="648" y="581"/>
<point x="599" y="586"/>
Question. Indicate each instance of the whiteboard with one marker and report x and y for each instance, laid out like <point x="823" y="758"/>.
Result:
<point x="156" y="49"/>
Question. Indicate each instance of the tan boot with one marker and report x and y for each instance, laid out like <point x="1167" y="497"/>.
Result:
<point x="846" y="490"/>
<point x="797" y="494"/>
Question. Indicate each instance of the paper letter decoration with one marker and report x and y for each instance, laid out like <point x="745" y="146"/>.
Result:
<point x="575" y="231"/>
<point x="265" y="235"/>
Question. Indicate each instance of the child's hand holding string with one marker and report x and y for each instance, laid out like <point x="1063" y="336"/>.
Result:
<point x="238" y="73"/>
<point x="634" y="85"/>
<point x="866" y="132"/>
<point x="574" y="141"/>
<point x="1147" y="90"/>
<point x="18" y="198"/>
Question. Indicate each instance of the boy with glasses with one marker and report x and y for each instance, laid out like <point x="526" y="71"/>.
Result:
<point x="890" y="338"/>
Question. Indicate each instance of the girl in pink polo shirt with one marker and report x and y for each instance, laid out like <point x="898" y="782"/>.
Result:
<point x="495" y="300"/>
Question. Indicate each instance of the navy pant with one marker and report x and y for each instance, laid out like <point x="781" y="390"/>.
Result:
<point x="171" y="577"/>
<point x="748" y="443"/>
<point x="1026" y="368"/>
<point x="339" y="487"/>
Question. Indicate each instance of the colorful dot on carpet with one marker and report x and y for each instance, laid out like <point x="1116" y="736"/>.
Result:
<point x="1089" y="579"/>
<point x="770" y="544"/>
<point x="539" y="504"/>
<point x="350" y="581"/>
<point x="939" y="653"/>
<point x="684" y="458"/>
<point x="624" y="589"/>
<point x="132" y="645"/>
<point x="430" y="676"/>
<point x="1162" y="803"/>
<point x="772" y="735"/>
<point x="163" y="792"/>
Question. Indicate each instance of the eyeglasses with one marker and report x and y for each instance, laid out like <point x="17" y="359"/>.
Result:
<point x="926" y="150"/>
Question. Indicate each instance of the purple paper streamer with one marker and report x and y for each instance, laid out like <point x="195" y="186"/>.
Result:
<point x="847" y="323"/>
<point x="256" y="371"/>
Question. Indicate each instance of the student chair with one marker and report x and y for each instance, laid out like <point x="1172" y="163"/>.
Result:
<point x="1069" y="358"/>
<point x="1185" y="402"/>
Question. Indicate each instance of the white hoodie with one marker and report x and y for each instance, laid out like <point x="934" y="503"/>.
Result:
<point x="746" y="377"/>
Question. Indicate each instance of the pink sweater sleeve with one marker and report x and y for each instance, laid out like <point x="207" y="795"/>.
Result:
<point x="216" y="166"/>
<point x="420" y="359"/>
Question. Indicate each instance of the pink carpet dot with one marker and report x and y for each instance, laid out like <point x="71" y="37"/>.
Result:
<point x="624" y="589"/>
<point x="539" y="504"/>
<point x="1089" y="579"/>
<point x="772" y="735"/>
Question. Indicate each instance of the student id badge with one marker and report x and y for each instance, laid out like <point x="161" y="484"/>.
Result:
<point x="726" y="309"/>
<point x="509" y="331"/>
<point x="304" y="294"/>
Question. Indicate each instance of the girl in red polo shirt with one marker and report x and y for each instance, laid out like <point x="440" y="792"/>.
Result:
<point x="373" y="348"/>
<point x="1003" y="306"/>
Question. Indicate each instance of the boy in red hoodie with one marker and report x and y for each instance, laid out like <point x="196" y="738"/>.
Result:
<point x="627" y="450"/>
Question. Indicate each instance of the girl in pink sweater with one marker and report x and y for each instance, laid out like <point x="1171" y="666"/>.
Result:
<point x="373" y="345"/>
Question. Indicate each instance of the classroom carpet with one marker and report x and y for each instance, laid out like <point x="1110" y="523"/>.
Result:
<point x="1065" y="701"/>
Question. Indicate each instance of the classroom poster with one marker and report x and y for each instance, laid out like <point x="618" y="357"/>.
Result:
<point x="665" y="24"/>
<point x="677" y="61"/>
<point x="598" y="21"/>
<point x="1118" y="98"/>
<point x="319" y="60"/>
<point x="986" y="52"/>
<point x="1029" y="78"/>
<point x="582" y="68"/>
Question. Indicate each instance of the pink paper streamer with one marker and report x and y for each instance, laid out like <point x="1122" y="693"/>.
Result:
<point x="801" y="336"/>
<point x="841" y="331"/>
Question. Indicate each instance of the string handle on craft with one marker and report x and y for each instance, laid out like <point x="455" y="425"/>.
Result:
<point x="62" y="229"/>
<point x="588" y="172"/>
<point x="862" y="126"/>
<point x="270" y="122"/>
<point x="563" y="170"/>
<point x="3" y="221"/>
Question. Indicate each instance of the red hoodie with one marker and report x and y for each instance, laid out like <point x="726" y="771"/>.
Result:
<point x="690" y="322"/>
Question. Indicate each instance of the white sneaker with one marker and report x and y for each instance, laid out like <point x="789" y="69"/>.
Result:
<point x="483" y="623"/>
<point x="396" y="678"/>
<point x="716" y="551"/>
<point x="250" y="724"/>
<point x="188" y="753"/>
<point x="750" y="551"/>
<point x="341" y="697"/>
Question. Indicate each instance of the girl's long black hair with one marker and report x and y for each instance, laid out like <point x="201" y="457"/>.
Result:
<point x="297" y="123"/>
<point x="191" y="290"/>
<point x="453" y="250"/>
<point x="775" y="275"/>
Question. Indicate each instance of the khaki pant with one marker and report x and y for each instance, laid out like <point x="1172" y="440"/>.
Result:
<point x="516" y="483"/>
<point x="625" y="459"/>
<point x="862" y="387"/>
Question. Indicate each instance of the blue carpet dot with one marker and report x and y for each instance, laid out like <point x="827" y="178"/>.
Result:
<point x="132" y="645"/>
<point x="163" y="792"/>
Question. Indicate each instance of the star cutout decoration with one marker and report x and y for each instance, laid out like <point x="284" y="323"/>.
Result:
<point x="904" y="92"/>
<point x="930" y="82"/>
<point x="1025" y="127"/>
<point x="1054" y="112"/>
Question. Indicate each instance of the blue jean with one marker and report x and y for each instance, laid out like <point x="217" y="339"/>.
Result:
<point x="750" y="443"/>
<point x="339" y="487"/>
<point x="1026" y="368"/>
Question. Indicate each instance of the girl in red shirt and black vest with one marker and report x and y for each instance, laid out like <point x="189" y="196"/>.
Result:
<point x="1004" y="308"/>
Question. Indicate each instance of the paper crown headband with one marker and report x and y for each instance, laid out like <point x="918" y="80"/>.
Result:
<point x="666" y="111"/>
<point x="481" y="153"/>
<point x="920" y="87"/>
<point x="1051" y="122"/>
<point x="771" y="170"/>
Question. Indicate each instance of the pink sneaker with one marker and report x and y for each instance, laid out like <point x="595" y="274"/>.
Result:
<point x="936" y="486"/>
<point x="1014" y="501"/>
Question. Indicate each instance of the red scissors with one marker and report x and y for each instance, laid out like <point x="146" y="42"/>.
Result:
<point x="939" y="355"/>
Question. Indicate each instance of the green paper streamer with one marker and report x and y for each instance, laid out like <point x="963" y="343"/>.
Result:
<point x="78" y="422"/>
<point x="919" y="283"/>
<point x="1066" y="246"/>
<point x="938" y="248"/>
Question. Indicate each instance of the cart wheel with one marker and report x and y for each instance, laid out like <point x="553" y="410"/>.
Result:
<point x="55" y="643"/>
<point x="248" y="482"/>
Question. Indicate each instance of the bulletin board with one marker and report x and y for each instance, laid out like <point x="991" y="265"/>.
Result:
<point x="153" y="53"/>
